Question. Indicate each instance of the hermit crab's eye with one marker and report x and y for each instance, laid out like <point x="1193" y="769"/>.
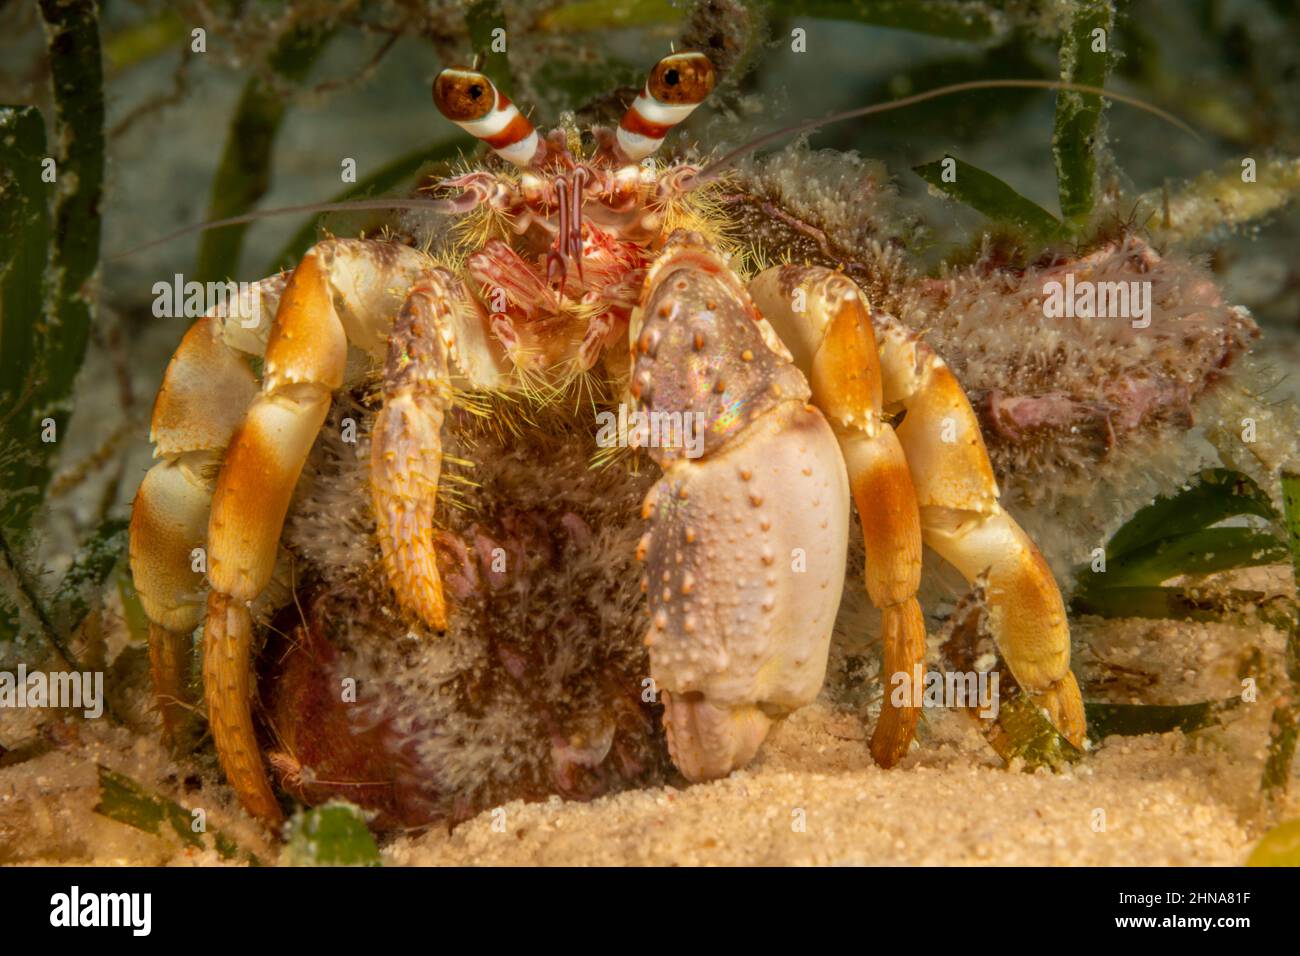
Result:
<point x="463" y="95"/>
<point x="468" y="99"/>
<point x="677" y="84"/>
<point x="682" y="78"/>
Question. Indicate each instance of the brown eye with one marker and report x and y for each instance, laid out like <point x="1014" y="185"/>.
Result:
<point x="682" y="78"/>
<point x="462" y="95"/>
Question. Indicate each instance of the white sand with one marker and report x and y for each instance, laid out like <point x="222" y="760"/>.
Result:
<point x="1166" y="800"/>
<point x="1154" y="800"/>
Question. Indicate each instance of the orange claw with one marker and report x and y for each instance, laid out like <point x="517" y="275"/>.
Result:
<point x="904" y="639"/>
<point x="227" y="641"/>
<point x="834" y="338"/>
<point x="1064" y="705"/>
<point x="405" y="461"/>
<point x="190" y="532"/>
<point x="305" y="360"/>
<point x="406" y="449"/>
<point x="930" y="480"/>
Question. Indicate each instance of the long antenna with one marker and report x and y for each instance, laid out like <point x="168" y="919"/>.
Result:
<point x="447" y="206"/>
<point x="709" y="172"/>
<point x="715" y="168"/>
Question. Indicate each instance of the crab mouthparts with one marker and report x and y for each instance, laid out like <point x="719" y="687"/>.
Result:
<point x="568" y="236"/>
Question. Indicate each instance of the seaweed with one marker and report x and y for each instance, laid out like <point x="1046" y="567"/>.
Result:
<point x="1181" y="534"/>
<point x="1132" y="720"/>
<point x="49" y="260"/>
<point x="953" y="19"/>
<point x="244" y="174"/>
<point x="25" y="233"/>
<point x="1086" y="59"/>
<point x="334" y="834"/>
<point x="989" y="195"/>
<point x="1284" y="726"/>
<point x="128" y="802"/>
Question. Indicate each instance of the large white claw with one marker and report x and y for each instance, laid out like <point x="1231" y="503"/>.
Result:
<point x="745" y="551"/>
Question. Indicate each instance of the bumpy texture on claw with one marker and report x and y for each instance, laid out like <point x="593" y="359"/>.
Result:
<point x="406" y="447"/>
<point x="707" y="741"/>
<point x="744" y="555"/>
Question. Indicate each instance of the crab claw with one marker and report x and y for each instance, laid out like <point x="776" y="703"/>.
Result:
<point x="748" y="527"/>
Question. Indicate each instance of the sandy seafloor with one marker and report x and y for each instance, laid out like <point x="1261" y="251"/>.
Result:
<point x="813" y="797"/>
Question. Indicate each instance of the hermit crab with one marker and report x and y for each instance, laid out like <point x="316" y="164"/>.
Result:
<point x="570" y="266"/>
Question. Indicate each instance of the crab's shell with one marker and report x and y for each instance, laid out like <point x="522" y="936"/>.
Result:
<point x="537" y="687"/>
